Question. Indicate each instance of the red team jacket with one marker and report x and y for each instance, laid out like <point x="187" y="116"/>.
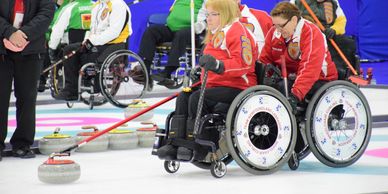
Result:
<point x="259" y="22"/>
<point x="235" y="46"/>
<point x="306" y="55"/>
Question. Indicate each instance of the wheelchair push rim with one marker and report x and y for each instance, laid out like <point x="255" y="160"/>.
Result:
<point x="261" y="130"/>
<point x="338" y="124"/>
<point x="118" y="81"/>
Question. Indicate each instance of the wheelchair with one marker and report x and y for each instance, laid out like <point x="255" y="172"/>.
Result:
<point x="260" y="139"/>
<point x="163" y="49"/>
<point x="260" y="131"/>
<point x="117" y="80"/>
<point x="185" y="63"/>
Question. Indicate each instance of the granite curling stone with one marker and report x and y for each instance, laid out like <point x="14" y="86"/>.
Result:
<point x="147" y="135"/>
<point x="96" y="145"/>
<point x="55" y="142"/>
<point x="136" y="106"/>
<point x="120" y="139"/>
<point x="59" y="171"/>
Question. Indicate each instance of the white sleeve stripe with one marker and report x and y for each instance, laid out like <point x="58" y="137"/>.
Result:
<point x="201" y="16"/>
<point x="60" y="26"/>
<point x="238" y="69"/>
<point x="309" y="54"/>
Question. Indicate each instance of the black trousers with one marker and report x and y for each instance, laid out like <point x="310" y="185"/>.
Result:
<point x="24" y="71"/>
<point x="75" y="35"/>
<point x="187" y="103"/>
<point x="157" y="34"/>
<point x="348" y="47"/>
<point x="74" y="64"/>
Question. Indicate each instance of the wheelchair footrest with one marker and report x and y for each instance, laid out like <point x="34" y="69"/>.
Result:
<point x="184" y="154"/>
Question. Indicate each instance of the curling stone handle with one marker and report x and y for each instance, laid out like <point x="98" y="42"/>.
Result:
<point x="90" y="127"/>
<point x="56" y="130"/>
<point x="148" y="123"/>
<point x="136" y="101"/>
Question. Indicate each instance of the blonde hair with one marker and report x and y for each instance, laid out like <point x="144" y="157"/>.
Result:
<point x="229" y="11"/>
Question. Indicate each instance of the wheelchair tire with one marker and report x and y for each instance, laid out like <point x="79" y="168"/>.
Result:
<point x="171" y="166"/>
<point x="56" y="80"/>
<point x="334" y="138"/>
<point x="218" y="169"/>
<point x="123" y="77"/>
<point x="260" y="130"/>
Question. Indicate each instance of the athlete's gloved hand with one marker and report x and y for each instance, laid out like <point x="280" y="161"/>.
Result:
<point x="87" y="46"/>
<point x="330" y="33"/>
<point x="195" y="74"/>
<point x="212" y="64"/>
<point x="293" y="100"/>
<point x="53" y="55"/>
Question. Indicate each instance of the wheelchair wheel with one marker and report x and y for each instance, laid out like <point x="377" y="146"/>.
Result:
<point x="171" y="166"/>
<point x="56" y="79"/>
<point x="89" y="88"/>
<point x="260" y="130"/>
<point x="69" y="104"/>
<point x="123" y="77"/>
<point x="338" y="124"/>
<point x="218" y="169"/>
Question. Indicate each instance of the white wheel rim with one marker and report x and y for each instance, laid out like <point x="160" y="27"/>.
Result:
<point x="220" y="169"/>
<point x="263" y="158"/>
<point x="173" y="166"/>
<point x="340" y="144"/>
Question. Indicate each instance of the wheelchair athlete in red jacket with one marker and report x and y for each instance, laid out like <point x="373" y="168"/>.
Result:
<point x="305" y="50"/>
<point x="229" y="56"/>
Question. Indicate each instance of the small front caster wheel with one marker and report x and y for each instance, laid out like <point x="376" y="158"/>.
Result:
<point x="293" y="162"/>
<point x="218" y="169"/>
<point x="69" y="104"/>
<point x="171" y="166"/>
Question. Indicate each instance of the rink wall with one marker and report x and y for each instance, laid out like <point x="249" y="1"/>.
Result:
<point x="367" y="21"/>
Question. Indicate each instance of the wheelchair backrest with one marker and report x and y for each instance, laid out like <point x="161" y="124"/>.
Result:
<point x="157" y="19"/>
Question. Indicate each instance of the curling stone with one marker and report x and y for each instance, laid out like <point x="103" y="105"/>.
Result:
<point x="59" y="171"/>
<point x="55" y="142"/>
<point x="120" y="139"/>
<point x="147" y="135"/>
<point x="96" y="145"/>
<point x="136" y="106"/>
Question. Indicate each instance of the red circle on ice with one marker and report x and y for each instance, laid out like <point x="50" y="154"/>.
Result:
<point x="380" y="153"/>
